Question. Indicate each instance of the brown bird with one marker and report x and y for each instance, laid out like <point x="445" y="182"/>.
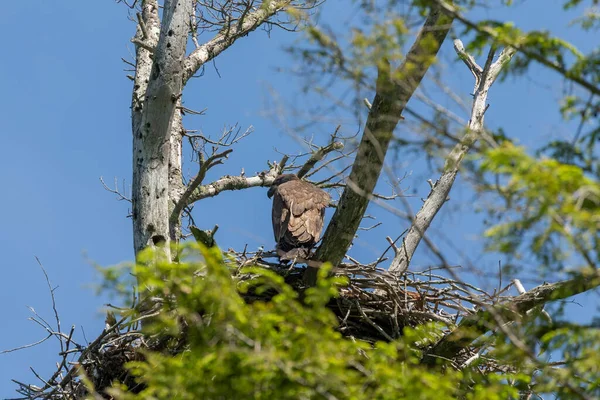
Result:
<point x="298" y="214"/>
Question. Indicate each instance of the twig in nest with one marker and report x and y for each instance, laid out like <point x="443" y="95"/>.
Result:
<point x="373" y="324"/>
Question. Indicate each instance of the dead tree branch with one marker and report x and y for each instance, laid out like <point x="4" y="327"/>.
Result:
<point x="213" y="160"/>
<point x="120" y="196"/>
<point x="229" y="34"/>
<point x="318" y="156"/>
<point x="484" y="78"/>
<point x="264" y="178"/>
<point x="452" y="11"/>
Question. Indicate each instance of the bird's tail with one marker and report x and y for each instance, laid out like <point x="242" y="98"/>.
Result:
<point x="295" y="253"/>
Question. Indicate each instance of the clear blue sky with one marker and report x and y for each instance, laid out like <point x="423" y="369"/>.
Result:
<point x="65" y="122"/>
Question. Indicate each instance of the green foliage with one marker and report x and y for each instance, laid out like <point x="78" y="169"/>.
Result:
<point x="285" y="347"/>
<point x="548" y="205"/>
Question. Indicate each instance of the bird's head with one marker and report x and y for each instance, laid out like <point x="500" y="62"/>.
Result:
<point x="280" y="180"/>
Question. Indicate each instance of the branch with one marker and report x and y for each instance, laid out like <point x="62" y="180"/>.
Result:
<point x="393" y="90"/>
<point x="440" y="190"/>
<point x="143" y="44"/>
<point x="264" y="178"/>
<point x="229" y="34"/>
<point x="116" y="191"/>
<point x="204" y="167"/>
<point x="469" y="60"/>
<point x="318" y="156"/>
<point x="450" y="10"/>
<point x="481" y="322"/>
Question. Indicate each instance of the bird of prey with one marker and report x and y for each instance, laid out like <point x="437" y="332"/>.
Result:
<point x="298" y="213"/>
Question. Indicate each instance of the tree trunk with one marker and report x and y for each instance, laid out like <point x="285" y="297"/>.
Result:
<point x="394" y="89"/>
<point x="155" y="116"/>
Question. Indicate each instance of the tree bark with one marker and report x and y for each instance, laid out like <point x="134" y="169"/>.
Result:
<point x="152" y="131"/>
<point x="162" y="69"/>
<point x="393" y="90"/>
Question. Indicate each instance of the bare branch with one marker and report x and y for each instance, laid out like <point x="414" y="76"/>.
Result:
<point x="143" y="44"/>
<point x="227" y="36"/>
<point x="453" y="11"/>
<point x="27" y="345"/>
<point x="264" y="178"/>
<point x="142" y="26"/>
<point x="318" y="156"/>
<point x="440" y="190"/>
<point x="116" y="191"/>
<point x="204" y="167"/>
<point x="468" y="59"/>
<point x="51" y="290"/>
<point x="229" y="137"/>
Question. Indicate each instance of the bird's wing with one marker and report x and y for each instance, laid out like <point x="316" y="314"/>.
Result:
<point x="307" y="204"/>
<point x="280" y="217"/>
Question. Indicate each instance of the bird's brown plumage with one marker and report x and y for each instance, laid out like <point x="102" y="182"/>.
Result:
<point x="298" y="214"/>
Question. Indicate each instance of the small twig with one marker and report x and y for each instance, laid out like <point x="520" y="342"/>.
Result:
<point x="51" y="289"/>
<point x="115" y="190"/>
<point x="27" y="345"/>
<point x="186" y="110"/>
<point x="360" y="228"/>
<point x="392" y="244"/>
<point x="373" y="324"/>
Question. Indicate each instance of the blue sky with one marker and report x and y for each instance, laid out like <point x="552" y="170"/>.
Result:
<point x="65" y="122"/>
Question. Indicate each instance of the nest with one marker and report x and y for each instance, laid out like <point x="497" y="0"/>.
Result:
<point x="374" y="306"/>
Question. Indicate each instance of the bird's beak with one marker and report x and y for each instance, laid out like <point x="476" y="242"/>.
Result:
<point x="271" y="191"/>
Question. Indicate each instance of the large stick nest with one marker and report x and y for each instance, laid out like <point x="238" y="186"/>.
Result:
<point x="375" y="306"/>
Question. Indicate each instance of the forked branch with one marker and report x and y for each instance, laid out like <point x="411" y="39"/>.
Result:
<point x="213" y="160"/>
<point x="484" y="78"/>
<point x="228" y="35"/>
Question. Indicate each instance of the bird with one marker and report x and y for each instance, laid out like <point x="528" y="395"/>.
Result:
<point x="298" y="215"/>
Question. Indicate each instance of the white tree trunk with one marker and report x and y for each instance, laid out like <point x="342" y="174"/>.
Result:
<point x="155" y="118"/>
<point x="161" y="72"/>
